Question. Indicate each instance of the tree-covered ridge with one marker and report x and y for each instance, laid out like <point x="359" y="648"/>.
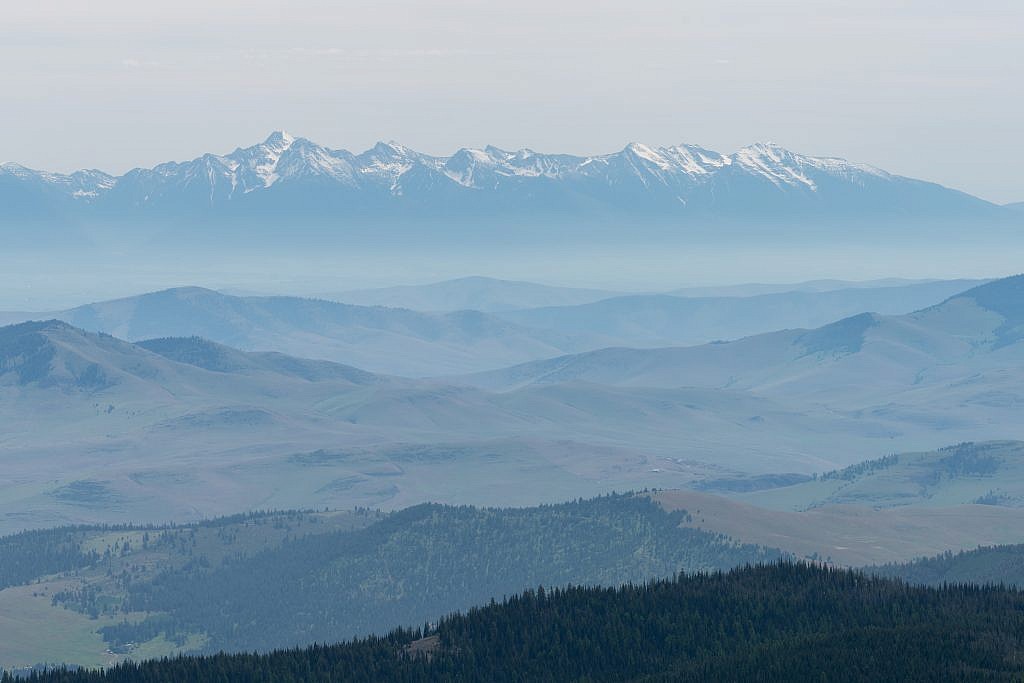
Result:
<point x="779" y="622"/>
<point x="419" y="564"/>
<point x="995" y="565"/>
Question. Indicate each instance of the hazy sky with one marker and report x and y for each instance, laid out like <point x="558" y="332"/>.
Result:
<point x="927" y="88"/>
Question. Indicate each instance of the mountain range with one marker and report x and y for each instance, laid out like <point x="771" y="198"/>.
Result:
<point x="285" y="184"/>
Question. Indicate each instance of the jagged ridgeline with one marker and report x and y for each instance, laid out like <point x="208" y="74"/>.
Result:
<point x="294" y="181"/>
<point x="269" y="581"/>
<point x="782" y="622"/>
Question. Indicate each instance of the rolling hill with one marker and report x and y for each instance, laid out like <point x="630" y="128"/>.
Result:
<point x="416" y="343"/>
<point x="963" y="350"/>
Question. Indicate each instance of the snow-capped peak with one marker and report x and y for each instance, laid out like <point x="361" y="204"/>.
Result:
<point x="256" y="167"/>
<point x="280" y="139"/>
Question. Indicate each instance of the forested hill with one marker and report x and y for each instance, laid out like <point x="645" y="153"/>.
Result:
<point x="291" y="579"/>
<point x="782" y="622"/>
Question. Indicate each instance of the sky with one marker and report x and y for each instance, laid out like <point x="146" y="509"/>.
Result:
<point x="931" y="89"/>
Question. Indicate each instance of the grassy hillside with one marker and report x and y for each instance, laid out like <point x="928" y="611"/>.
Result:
<point x="769" y="623"/>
